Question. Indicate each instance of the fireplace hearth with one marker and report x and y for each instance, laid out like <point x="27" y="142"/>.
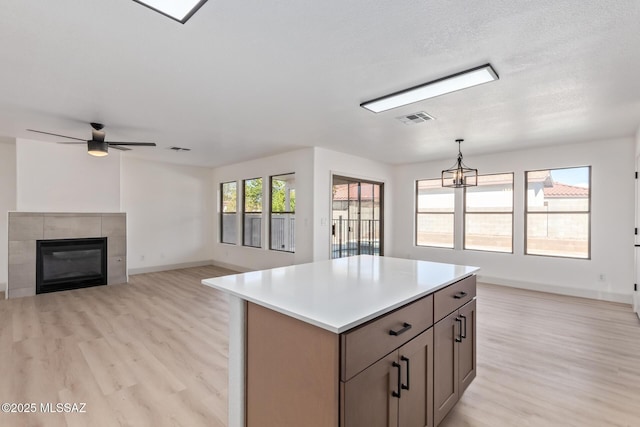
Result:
<point x="64" y="264"/>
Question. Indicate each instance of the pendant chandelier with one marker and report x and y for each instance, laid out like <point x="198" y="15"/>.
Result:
<point x="459" y="175"/>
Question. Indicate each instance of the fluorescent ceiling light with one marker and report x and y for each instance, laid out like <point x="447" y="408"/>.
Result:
<point x="473" y="77"/>
<point x="180" y="10"/>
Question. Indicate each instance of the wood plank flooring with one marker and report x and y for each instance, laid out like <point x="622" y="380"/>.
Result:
<point x="154" y="353"/>
<point x="551" y="360"/>
<point x="150" y="353"/>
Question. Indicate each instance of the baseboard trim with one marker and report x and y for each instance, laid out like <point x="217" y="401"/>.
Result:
<point x="233" y="267"/>
<point x="156" y="268"/>
<point x="562" y="290"/>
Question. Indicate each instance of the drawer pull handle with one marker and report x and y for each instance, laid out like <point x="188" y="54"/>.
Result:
<point x="398" y="393"/>
<point x="459" y="337"/>
<point x="407" y="385"/>
<point x="460" y="295"/>
<point x="405" y="327"/>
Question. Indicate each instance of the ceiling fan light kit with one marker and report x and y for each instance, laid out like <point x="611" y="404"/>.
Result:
<point x="463" y="80"/>
<point x="97" y="146"/>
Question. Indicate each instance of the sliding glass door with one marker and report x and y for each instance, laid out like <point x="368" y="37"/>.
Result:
<point x="357" y="217"/>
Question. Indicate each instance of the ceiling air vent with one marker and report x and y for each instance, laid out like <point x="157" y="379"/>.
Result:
<point x="179" y="149"/>
<point x="415" y="118"/>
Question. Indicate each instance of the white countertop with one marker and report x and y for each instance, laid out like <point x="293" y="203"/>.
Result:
<point x="340" y="294"/>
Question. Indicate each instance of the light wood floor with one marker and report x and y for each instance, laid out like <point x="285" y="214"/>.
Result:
<point x="151" y="353"/>
<point x="550" y="360"/>
<point x="154" y="353"/>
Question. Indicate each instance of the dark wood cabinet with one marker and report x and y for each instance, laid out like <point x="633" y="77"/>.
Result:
<point x="446" y="357"/>
<point x="467" y="359"/>
<point x="366" y="398"/>
<point x="454" y="358"/>
<point x="399" y="369"/>
<point x="416" y="401"/>
<point x="396" y="391"/>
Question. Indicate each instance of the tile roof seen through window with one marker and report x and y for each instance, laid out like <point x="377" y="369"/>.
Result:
<point x="367" y="191"/>
<point x="559" y="190"/>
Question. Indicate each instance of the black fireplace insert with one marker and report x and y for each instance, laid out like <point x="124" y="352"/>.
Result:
<point x="70" y="264"/>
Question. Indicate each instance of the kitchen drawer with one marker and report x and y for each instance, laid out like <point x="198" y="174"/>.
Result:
<point x="454" y="296"/>
<point x="362" y="346"/>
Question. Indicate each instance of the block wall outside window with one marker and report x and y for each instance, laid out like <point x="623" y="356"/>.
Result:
<point x="283" y="213"/>
<point x="558" y="212"/>
<point x="435" y="207"/>
<point x="229" y="212"/>
<point x="488" y="214"/>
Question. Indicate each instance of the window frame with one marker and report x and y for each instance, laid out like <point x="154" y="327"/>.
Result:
<point x="244" y="211"/>
<point x="283" y="212"/>
<point x="588" y="212"/>
<point x="417" y="214"/>
<point x="223" y="213"/>
<point x="465" y="212"/>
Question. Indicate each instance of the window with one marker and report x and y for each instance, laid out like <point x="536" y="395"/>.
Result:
<point x="252" y="214"/>
<point x="559" y="212"/>
<point x="488" y="214"/>
<point x="434" y="214"/>
<point x="283" y="212"/>
<point x="228" y="212"/>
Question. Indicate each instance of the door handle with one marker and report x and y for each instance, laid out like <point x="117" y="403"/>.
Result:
<point x="464" y="334"/>
<point x="333" y="230"/>
<point x="398" y="393"/>
<point x="407" y="385"/>
<point x="405" y="327"/>
<point x="459" y="337"/>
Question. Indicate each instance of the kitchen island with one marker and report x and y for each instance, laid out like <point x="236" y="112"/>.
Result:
<point x="349" y="342"/>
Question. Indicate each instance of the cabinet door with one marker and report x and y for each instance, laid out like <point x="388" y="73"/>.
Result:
<point x="445" y="365"/>
<point x="467" y="363"/>
<point x="416" y="403"/>
<point x="367" y="397"/>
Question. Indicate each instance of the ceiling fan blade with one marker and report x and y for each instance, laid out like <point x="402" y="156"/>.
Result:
<point x="71" y="142"/>
<point x="55" y="134"/>
<point x="141" y="144"/>
<point x="115" y="147"/>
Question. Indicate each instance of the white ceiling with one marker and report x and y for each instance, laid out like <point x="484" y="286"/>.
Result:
<point x="244" y="79"/>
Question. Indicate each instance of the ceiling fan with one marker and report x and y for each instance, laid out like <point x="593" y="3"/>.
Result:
<point x="97" y="146"/>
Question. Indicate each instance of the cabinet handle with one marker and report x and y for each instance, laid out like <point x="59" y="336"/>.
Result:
<point x="405" y="327"/>
<point x="460" y="295"/>
<point x="464" y="335"/>
<point x="459" y="337"/>
<point x="406" y="386"/>
<point x="398" y="393"/>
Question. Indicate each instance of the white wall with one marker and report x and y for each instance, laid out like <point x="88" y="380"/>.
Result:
<point x="64" y="178"/>
<point x="169" y="207"/>
<point x="612" y="220"/>
<point x="7" y="200"/>
<point x="636" y="299"/>
<point x="301" y="163"/>
<point x="328" y="163"/>
<point x="170" y="210"/>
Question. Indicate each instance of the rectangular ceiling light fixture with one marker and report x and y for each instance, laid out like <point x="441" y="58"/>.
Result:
<point x="473" y="77"/>
<point x="179" y="10"/>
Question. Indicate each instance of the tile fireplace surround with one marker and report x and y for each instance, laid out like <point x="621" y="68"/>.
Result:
<point x="27" y="227"/>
